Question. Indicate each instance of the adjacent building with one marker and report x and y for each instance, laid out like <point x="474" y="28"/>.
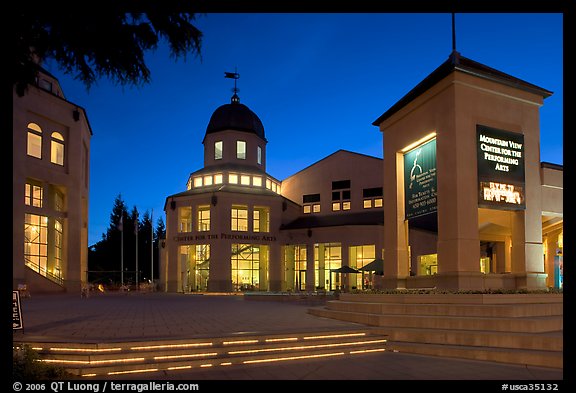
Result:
<point x="51" y="168"/>
<point x="460" y="201"/>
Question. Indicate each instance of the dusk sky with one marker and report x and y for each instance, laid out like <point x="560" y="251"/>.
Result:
<point x="317" y="82"/>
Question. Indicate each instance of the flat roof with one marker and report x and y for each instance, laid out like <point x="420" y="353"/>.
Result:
<point x="374" y="217"/>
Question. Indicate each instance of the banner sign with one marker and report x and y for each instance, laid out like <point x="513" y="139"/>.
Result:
<point x="420" y="180"/>
<point x="500" y="156"/>
<point x="16" y="311"/>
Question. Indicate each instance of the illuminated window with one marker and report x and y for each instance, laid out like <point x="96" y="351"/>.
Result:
<point x="208" y="180"/>
<point x="218" y="178"/>
<point x="259" y="155"/>
<point x="198" y="181"/>
<point x="33" y="195"/>
<point x="257" y="181"/>
<point x="427" y="264"/>
<point x="239" y="218"/>
<point x="241" y="150"/>
<point x="204" y="218"/>
<point x="58" y="236"/>
<point x="246" y="260"/>
<point x="57" y="149"/>
<point x="341" y="195"/>
<point x="36" y="242"/>
<point x="372" y="197"/>
<point x="218" y="150"/>
<point x="233" y="178"/>
<point x="360" y="256"/>
<point x="275" y="187"/>
<point x="261" y="219"/>
<point x="34" y="145"/>
<point x="202" y="266"/>
<point x="185" y="219"/>
<point x="311" y="202"/>
<point x="269" y="184"/>
<point x="245" y="180"/>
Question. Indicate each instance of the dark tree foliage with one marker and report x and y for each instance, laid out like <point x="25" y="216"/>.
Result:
<point x="104" y="40"/>
<point x="118" y="247"/>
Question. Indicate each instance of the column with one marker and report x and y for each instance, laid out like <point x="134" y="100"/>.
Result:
<point x="310" y="271"/>
<point x="288" y="266"/>
<point x="395" y="242"/>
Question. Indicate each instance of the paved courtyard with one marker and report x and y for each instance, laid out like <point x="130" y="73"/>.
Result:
<point x="111" y="317"/>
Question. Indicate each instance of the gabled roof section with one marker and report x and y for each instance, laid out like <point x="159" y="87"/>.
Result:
<point x="333" y="156"/>
<point x="460" y="63"/>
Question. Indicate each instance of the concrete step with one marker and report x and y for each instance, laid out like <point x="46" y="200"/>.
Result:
<point x="503" y="324"/>
<point x="465" y="310"/>
<point x="539" y="358"/>
<point x="551" y="341"/>
<point x="412" y="297"/>
<point x="93" y="360"/>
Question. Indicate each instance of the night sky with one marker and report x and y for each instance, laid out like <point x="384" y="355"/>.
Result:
<point x="317" y="82"/>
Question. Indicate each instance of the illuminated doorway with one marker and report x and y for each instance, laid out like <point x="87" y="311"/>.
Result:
<point x="327" y="257"/>
<point x="249" y="267"/>
<point x="300" y="267"/>
<point x="195" y="267"/>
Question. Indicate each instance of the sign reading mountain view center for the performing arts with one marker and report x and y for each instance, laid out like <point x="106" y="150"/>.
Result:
<point x="420" y="180"/>
<point x="500" y="169"/>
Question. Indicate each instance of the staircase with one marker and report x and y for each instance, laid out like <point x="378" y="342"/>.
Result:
<point x="518" y="329"/>
<point x="140" y="358"/>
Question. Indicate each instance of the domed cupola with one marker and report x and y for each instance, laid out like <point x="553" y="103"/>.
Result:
<point x="237" y="117"/>
<point x="235" y="136"/>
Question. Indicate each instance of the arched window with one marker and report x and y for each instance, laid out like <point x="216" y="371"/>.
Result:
<point x="57" y="149"/>
<point x="34" y="142"/>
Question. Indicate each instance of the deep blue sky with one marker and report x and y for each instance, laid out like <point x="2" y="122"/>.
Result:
<point x="317" y="82"/>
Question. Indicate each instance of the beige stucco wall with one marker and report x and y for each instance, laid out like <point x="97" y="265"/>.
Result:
<point x="552" y="191"/>
<point x="363" y="171"/>
<point x="452" y="108"/>
<point x="229" y="139"/>
<point x="52" y="113"/>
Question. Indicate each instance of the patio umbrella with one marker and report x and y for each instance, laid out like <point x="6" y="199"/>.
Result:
<point x="345" y="269"/>
<point x="377" y="266"/>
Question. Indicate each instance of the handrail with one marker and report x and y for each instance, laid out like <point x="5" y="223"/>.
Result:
<point x="42" y="271"/>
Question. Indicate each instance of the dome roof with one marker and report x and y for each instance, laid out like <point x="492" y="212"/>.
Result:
<point x="235" y="116"/>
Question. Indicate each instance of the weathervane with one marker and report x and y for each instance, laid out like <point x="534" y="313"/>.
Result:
<point x="234" y="75"/>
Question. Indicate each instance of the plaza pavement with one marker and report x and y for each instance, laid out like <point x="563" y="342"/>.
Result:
<point x="116" y="317"/>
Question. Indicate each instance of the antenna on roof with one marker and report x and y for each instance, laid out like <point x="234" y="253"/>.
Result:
<point x="234" y="75"/>
<point x="453" y="32"/>
<point x="454" y="56"/>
